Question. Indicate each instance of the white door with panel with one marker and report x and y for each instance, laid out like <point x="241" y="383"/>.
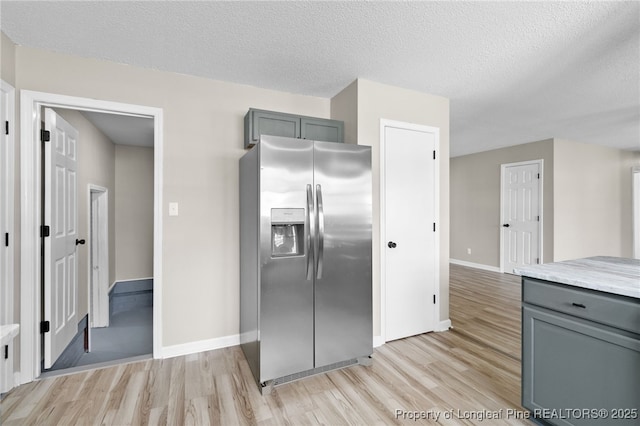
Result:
<point x="410" y="239"/>
<point x="99" y="257"/>
<point x="521" y="215"/>
<point x="60" y="215"/>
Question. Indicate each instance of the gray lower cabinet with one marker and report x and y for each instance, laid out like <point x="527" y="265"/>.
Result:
<point x="576" y="371"/>
<point x="260" y="122"/>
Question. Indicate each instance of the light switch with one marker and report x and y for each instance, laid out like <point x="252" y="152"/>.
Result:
<point x="173" y="209"/>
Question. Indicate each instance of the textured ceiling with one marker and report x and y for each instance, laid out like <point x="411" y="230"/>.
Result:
<point x="515" y="72"/>
<point x="123" y="129"/>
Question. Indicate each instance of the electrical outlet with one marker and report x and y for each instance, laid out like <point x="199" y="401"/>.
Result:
<point x="173" y="209"/>
<point x="468" y="251"/>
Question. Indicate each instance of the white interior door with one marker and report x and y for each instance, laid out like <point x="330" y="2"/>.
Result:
<point x="410" y="243"/>
<point x="60" y="214"/>
<point x="521" y="215"/>
<point x="99" y="259"/>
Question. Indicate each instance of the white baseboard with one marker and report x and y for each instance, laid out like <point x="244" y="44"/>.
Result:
<point x="113" y="284"/>
<point x="17" y="378"/>
<point x="475" y="265"/>
<point x="219" y="343"/>
<point x="443" y="326"/>
<point x="200" y="346"/>
<point x="377" y="341"/>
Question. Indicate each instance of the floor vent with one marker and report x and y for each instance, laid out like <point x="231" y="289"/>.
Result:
<point x="268" y="386"/>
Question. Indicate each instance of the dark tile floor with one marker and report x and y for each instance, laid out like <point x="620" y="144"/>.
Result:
<point x="130" y="333"/>
<point x="128" y="338"/>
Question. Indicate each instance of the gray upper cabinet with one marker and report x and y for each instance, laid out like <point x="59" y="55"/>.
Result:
<point x="318" y="129"/>
<point x="259" y="122"/>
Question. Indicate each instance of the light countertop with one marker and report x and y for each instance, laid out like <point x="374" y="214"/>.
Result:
<point x="614" y="275"/>
<point x="8" y="332"/>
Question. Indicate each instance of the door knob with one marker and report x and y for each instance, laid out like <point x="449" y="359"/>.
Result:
<point x="392" y="244"/>
<point x="79" y="241"/>
<point x="506" y="225"/>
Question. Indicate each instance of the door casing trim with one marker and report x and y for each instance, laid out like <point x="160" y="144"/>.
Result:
<point x="7" y="279"/>
<point x="7" y="305"/>
<point x="31" y="103"/>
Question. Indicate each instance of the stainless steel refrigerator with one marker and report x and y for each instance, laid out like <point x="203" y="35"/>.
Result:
<point x="305" y="257"/>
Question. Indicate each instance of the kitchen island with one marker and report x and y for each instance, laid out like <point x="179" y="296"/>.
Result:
<point x="581" y="341"/>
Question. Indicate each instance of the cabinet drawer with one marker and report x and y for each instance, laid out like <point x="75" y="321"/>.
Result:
<point x="605" y="308"/>
<point x="569" y="363"/>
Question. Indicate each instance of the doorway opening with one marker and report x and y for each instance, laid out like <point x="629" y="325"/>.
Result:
<point x="32" y="104"/>
<point x="114" y="242"/>
<point x="98" y="257"/>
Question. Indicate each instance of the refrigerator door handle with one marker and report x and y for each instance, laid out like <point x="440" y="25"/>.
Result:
<point x="310" y="232"/>
<point x="320" y="217"/>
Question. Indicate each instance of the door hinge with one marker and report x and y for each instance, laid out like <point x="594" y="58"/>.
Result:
<point x="538" y="175"/>
<point x="45" y="327"/>
<point x="538" y="218"/>
<point x="6" y="127"/>
<point x="44" y="231"/>
<point x="6" y="239"/>
<point x="537" y="260"/>
<point x="434" y="227"/>
<point x="45" y="135"/>
<point x="434" y="299"/>
<point x="6" y="351"/>
<point x="434" y="154"/>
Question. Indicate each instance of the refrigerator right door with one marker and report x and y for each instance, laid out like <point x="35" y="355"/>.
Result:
<point x="343" y="305"/>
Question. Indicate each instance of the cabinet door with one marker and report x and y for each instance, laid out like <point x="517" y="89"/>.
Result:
<point x="319" y="129"/>
<point x="274" y="124"/>
<point x="570" y="365"/>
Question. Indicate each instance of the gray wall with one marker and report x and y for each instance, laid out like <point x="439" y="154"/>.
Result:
<point x="592" y="200"/>
<point x="587" y="201"/>
<point x="134" y="212"/>
<point x="629" y="161"/>
<point x="7" y="60"/>
<point x="203" y="140"/>
<point x="379" y="101"/>
<point x="344" y="106"/>
<point x="475" y="201"/>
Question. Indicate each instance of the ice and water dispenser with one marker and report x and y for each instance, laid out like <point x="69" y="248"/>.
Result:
<point x="287" y="232"/>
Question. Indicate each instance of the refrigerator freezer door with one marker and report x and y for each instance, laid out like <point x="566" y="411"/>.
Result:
<point x="343" y="311"/>
<point x="286" y="296"/>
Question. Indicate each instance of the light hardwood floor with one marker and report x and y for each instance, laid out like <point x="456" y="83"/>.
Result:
<point x="466" y="373"/>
